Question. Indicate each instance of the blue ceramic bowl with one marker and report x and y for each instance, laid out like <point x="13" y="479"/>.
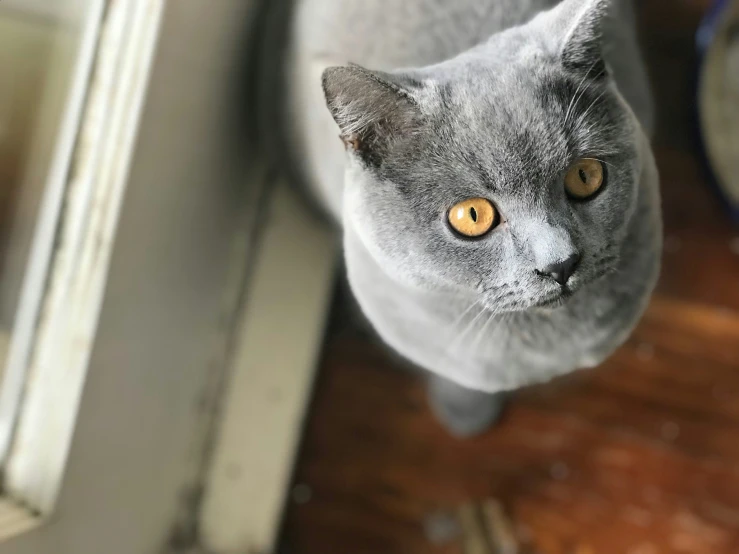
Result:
<point x="714" y="29"/>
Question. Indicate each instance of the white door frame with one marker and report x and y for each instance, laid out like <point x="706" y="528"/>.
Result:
<point x="199" y="274"/>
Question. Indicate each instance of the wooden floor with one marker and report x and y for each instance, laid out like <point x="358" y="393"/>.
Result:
<point x="640" y="456"/>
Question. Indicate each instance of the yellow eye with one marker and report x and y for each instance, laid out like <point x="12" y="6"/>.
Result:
<point x="584" y="178"/>
<point x="473" y="217"/>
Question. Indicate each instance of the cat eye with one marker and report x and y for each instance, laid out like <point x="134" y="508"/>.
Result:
<point x="584" y="178"/>
<point x="473" y="217"/>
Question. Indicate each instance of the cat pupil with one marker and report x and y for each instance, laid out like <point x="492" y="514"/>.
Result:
<point x="583" y="176"/>
<point x="473" y="214"/>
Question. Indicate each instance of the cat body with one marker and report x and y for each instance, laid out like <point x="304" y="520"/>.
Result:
<point x="491" y="99"/>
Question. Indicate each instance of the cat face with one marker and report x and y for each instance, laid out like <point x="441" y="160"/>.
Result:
<point x="509" y="173"/>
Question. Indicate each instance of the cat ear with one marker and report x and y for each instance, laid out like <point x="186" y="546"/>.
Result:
<point x="371" y="108"/>
<point x="582" y="49"/>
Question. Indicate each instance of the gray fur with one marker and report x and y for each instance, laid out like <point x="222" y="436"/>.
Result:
<point x="491" y="98"/>
<point x="465" y="412"/>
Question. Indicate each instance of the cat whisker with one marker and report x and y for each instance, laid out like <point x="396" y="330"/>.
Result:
<point x="466" y="329"/>
<point x="576" y="97"/>
<point x="461" y="316"/>
<point x="609" y="164"/>
<point x="604" y="152"/>
<point x="484" y="327"/>
<point x="592" y="105"/>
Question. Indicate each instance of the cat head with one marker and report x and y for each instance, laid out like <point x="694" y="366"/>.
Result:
<point x="509" y="172"/>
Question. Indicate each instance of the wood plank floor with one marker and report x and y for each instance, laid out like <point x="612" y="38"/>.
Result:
<point x="640" y="456"/>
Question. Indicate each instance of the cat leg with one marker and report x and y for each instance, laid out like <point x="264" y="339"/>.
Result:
<point x="464" y="412"/>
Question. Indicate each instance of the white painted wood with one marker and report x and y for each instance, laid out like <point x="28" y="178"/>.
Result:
<point x="66" y="94"/>
<point x="146" y="373"/>
<point x="272" y="372"/>
<point x="166" y="326"/>
<point x="15" y="519"/>
<point x="97" y="180"/>
<point x="59" y="10"/>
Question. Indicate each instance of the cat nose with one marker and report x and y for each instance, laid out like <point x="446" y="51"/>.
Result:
<point x="561" y="271"/>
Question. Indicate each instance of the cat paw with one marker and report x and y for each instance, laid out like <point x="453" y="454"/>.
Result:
<point x="465" y="413"/>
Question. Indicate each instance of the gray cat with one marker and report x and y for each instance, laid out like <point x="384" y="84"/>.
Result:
<point x="494" y="180"/>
